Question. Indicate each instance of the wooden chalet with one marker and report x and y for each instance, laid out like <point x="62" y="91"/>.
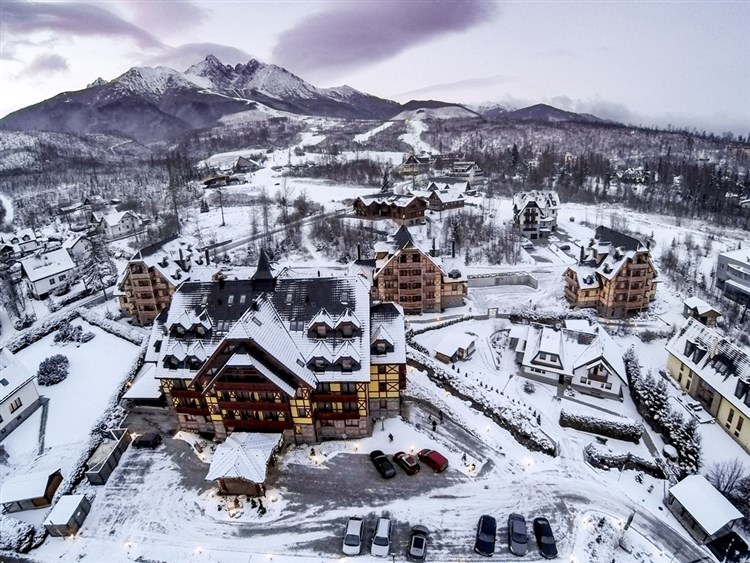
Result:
<point x="615" y="276"/>
<point x="306" y="357"/>
<point x="404" y="209"/>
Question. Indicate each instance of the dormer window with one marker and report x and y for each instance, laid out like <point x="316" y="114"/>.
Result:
<point x="200" y="331"/>
<point x="381" y="348"/>
<point x="347" y="330"/>
<point x="320" y="330"/>
<point x="346" y="364"/>
<point x="689" y="348"/>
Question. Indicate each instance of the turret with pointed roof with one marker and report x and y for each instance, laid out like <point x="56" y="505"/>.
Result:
<point x="263" y="278"/>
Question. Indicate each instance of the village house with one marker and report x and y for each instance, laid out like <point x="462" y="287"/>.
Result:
<point x="152" y="276"/>
<point x="614" y="275"/>
<point x="116" y="224"/>
<point x="408" y="274"/>
<point x="19" y="397"/>
<point x="79" y="247"/>
<point x="46" y="271"/>
<point x="535" y="213"/>
<point x="412" y="165"/>
<point x="309" y="358"/>
<point x="454" y="347"/>
<point x="404" y="209"/>
<point x="696" y="308"/>
<point x="715" y="372"/>
<point x="20" y="243"/>
<point x="467" y="170"/>
<point x="733" y="274"/>
<point x="578" y="355"/>
<point x="223" y="164"/>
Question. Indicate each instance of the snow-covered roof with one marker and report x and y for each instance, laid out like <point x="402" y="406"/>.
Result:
<point x="706" y="505"/>
<point x="44" y="265"/>
<point x="115" y="217"/>
<point x="545" y="200"/>
<point x="451" y="343"/>
<point x="387" y="320"/>
<point x="714" y="358"/>
<point x="580" y="325"/>
<point x="699" y="306"/>
<point x="25" y="486"/>
<point x="64" y="510"/>
<point x="243" y="455"/>
<point x="741" y="254"/>
<point x="145" y="385"/>
<point x="13" y="374"/>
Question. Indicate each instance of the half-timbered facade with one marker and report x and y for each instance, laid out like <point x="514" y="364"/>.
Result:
<point x="615" y="276"/>
<point x="407" y="274"/>
<point x="535" y="212"/>
<point x="306" y="357"/>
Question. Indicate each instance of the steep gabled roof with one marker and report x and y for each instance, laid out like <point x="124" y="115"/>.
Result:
<point x="616" y="238"/>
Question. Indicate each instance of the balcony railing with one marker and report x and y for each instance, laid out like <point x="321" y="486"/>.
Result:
<point x="335" y="398"/>
<point x="320" y="415"/>
<point x="252" y="424"/>
<point x="237" y="386"/>
<point x="185" y="393"/>
<point x="252" y="406"/>
<point x="193" y="411"/>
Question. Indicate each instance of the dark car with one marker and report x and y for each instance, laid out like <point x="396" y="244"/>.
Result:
<point x="544" y="538"/>
<point x="381" y="463"/>
<point x="433" y="459"/>
<point x="485" y="541"/>
<point x="148" y="440"/>
<point x="518" y="539"/>
<point x="417" y="550"/>
<point x="407" y="462"/>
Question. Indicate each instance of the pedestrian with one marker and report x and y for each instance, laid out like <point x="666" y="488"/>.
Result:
<point x="441" y="416"/>
<point x="390" y="437"/>
<point x="434" y="425"/>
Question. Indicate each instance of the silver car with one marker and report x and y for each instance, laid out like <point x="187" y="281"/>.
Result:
<point x="353" y="536"/>
<point x="518" y="538"/>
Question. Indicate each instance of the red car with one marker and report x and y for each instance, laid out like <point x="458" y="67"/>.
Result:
<point x="433" y="459"/>
<point x="407" y="462"/>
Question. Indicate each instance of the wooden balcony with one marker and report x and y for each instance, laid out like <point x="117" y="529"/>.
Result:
<point x="257" y="425"/>
<point x="335" y="398"/>
<point x="135" y="277"/>
<point x="319" y="415"/>
<point x="185" y="393"/>
<point x="193" y="411"/>
<point x="253" y="406"/>
<point x="237" y="386"/>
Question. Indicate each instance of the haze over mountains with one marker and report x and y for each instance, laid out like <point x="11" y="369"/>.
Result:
<point x="154" y="104"/>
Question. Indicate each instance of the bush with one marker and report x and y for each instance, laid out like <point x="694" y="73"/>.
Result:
<point x="625" y="429"/>
<point x="61" y="289"/>
<point x="72" y="333"/>
<point x="15" y="535"/>
<point x="529" y="387"/>
<point x="53" y="370"/>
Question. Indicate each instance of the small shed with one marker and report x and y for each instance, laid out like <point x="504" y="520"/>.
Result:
<point x="31" y="490"/>
<point x="701" y="509"/>
<point x="700" y="310"/>
<point x="145" y="389"/>
<point x="105" y="458"/>
<point x="67" y="517"/>
<point x="239" y="464"/>
<point x="455" y="347"/>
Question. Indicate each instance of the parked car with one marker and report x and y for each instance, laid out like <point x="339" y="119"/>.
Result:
<point x="353" y="536"/>
<point x="148" y="440"/>
<point x="544" y="538"/>
<point x="381" y="463"/>
<point x="484" y="544"/>
<point x="564" y="247"/>
<point x="518" y="539"/>
<point x="381" y="539"/>
<point x="417" y="550"/>
<point x="433" y="459"/>
<point x="407" y="462"/>
<point x="526" y="244"/>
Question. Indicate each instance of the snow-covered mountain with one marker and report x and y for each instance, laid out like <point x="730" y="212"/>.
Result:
<point x="547" y="113"/>
<point x="433" y="109"/>
<point x="150" y="104"/>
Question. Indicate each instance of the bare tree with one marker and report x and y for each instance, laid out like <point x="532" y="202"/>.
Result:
<point x="727" y="475"/>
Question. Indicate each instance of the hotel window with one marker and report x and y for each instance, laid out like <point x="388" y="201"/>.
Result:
<point x="301" y="412"/>
<point x="730" y="417"/>
<point x="737" y="430"/>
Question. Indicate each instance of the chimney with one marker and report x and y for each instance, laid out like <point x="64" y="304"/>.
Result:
<point x="207" y="260"/>
<point x="359" y="251"/>
<point x="580" y="260"/>
<point x="182" y="260"/>
<point x="434" y="253"/>
<point x="453" y="249"/>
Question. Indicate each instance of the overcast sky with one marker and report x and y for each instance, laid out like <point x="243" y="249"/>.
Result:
<point x="645" y="62"/>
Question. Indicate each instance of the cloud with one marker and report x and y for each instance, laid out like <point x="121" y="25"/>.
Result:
<point x="361" y="33"/>
<point x="73" y="18"/>
<point x="165" y="17"/>
<point x="456" y="86"/>
<point x="46" y="63"/>
<point x="183" y="56"/>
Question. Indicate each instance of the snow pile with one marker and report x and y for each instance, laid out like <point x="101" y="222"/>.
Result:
<point x="15" y="535"/>
<point x="612" y="427"/>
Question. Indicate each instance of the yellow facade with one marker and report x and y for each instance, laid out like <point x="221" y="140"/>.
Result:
<point x="734" y="423"/>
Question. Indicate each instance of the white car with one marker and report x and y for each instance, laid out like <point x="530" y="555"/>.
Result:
<point x="353" y="536"/>
<point x="381" y="541"/>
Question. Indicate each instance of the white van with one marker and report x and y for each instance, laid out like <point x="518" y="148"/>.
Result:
<point x="381" y="541"/>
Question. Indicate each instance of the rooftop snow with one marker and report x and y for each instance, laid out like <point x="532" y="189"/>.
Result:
<point x="25" y="486"/>
<point x="243" y="455"/>
<point x="52" y="263"/>
<point x="13" y="374"/>
<point x="705" y="504"/>
<point x="64" y="510"/>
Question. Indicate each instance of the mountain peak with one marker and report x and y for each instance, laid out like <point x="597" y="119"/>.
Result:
<point x="98" y="82"/>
